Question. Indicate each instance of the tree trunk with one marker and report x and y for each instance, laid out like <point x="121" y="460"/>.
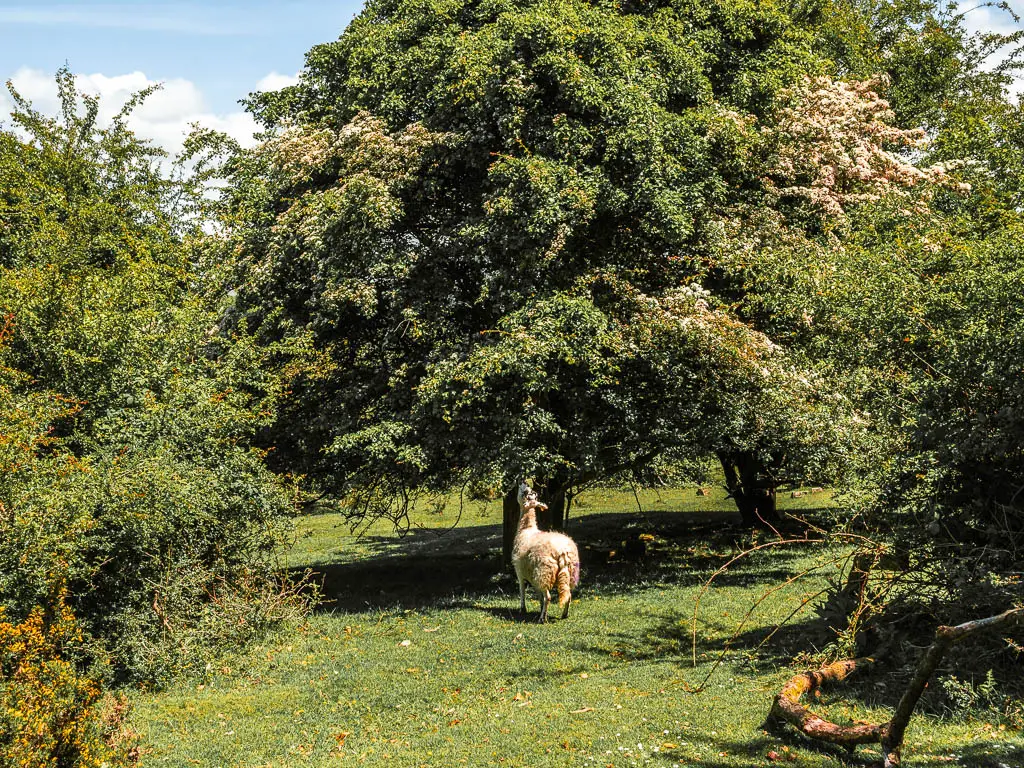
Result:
<point x="751" y="488"/>
<point x="509" y="524"/>
<point x="552" y="492"/>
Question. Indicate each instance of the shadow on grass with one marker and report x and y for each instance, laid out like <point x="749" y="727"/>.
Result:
<point x="672" y="640"/>
<point x="619" y="552"/>
<point x="405" y="581"/>
<point x="975" y="754"/>
<point x="511" y="613"/>
<point x="978" y="754"/>
<point x="757" y="748"/>
<point x="981" y="754"/>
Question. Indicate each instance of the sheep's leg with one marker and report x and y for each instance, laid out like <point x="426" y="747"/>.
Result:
<point x="522" y="595"/>
<point x="545" y="599"/>
<point x="563" y="581"/>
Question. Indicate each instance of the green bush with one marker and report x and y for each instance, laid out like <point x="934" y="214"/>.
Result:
<point x="165" y="498"/>
<point x="41" y="522"/>
<point x="126" y="418"/>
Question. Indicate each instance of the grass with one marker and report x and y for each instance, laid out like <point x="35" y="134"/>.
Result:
<point x="422" y="659"/>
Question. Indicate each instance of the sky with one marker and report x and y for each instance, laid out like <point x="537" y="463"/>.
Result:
<point x="208" y="54"/>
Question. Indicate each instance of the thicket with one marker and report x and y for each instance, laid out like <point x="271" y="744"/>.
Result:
<point x="127" y="471"/>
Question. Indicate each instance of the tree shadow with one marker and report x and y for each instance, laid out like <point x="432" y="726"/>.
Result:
<point x="511" y="613"/>
<point x="413" y="582"/>
<point x="757" y="747"/>
<point x="977" y="754"/>
<point x="983" y="754"/>
<point x="672" y="639"/>
<point x="619" y="552"/>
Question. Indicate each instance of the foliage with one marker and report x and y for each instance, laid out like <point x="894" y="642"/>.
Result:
<point x="127" y="421"/>
<point x="184" y="635"/>
<point x="968" y="462"/>
<point x="50" y="713"/>
<point x="486" y="198"/>
<point x="837" y="146"/>
<point x="646" y="376"/>
<point x="965" y="697"/>
<point x="93" y="262"/>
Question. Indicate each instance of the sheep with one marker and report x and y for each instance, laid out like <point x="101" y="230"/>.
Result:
<point x="547" y="560"/>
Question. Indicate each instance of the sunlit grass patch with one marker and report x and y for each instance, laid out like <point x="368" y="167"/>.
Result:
<point x="438" y="668"/>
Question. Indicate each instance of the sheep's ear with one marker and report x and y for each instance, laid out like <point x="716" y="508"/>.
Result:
<point x="542" y="506"/>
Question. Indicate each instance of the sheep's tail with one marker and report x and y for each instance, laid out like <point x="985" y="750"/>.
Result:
<point x="568" y="577"/>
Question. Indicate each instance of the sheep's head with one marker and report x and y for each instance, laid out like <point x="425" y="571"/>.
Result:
<point x="528" y="502"/>
<point x="529" y="506"/>
<point x="531" y="502"/>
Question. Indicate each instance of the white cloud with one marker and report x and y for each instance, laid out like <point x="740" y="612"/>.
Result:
<point x="165" y="117"/>
<point x="986" y="18"/>
<point x="275" y="81"/>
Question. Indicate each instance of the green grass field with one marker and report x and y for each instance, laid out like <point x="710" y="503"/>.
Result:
<point x="419" y="656"/>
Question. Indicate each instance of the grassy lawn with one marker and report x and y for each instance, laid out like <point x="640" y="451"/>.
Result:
<point x="419" y="656"/>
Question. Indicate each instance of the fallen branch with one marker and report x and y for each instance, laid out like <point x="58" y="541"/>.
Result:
<point x="787" y="706"/>
<point x="890" y="735"/>
<point x="945" y="637"/>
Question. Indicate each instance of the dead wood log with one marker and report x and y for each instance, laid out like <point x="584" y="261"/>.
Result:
<point x="890" y="735"/>
<point x="787" y="706"/>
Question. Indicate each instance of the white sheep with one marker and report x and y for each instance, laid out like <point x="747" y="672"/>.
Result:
<point x="546" y="559"/>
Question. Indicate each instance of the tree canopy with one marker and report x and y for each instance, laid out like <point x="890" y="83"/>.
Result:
<point x="480" y="215"/>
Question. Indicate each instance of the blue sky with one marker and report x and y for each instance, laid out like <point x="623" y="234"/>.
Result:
<point x="208" y="54"/>
<point x="225" y="47"/>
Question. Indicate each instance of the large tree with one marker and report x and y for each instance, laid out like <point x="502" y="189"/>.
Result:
<point x="493" y="227"/>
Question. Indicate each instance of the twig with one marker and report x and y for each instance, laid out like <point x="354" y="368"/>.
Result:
<point x="724" y="568"/>
<point x="750" y="612"/>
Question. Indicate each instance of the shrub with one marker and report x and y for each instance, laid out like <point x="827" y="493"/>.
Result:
<point x="126" y="419"/>
<point x="200" y="620"/>
<point x="985" y="699"/>
<point x="41" y="523"/>
<point x="51" y="715"/>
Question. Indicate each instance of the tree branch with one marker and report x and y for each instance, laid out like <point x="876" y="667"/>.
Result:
<point x="890" y="735"/>
<point x="787" y="706"/>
